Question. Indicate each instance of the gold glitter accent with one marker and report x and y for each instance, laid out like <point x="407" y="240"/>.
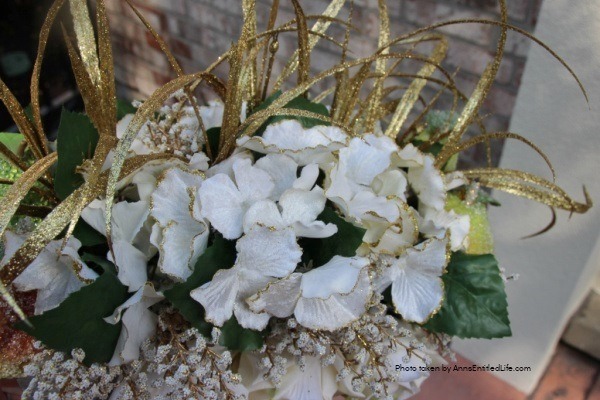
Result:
<point x="374" y="103"/>
<point x="86" y="42"/>
<point x="35" y="76"/>
<point x="412" y="93"/>
<point x="529" y="186"/>
<point x="303" y="50"/>
<point x="320" y="26"/>
<point x="9" y="203"/>
<point x="18" y="115"/>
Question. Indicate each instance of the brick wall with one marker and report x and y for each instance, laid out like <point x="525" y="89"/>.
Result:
<point x="199" y="30"/>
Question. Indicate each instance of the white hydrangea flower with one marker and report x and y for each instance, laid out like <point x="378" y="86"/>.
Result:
<point x="183" y="231"/>
<point x="55" y="273"/>
<point x="425" y="179"/>
<point x="437" y="223"/>
<point x="305" y="146"/>
<point x="417" y="287"/>
<point x="224" y="203"/>
<point x="262" y="256"/>
<point x="328" y="297"/>
<point x="139" y="324"/>
<point x="351" y="178"/>
<point x="298" y="206"/>
<point x="128" y="219"/>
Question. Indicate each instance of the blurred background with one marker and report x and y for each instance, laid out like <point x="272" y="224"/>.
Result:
<point x="556" y="301"/>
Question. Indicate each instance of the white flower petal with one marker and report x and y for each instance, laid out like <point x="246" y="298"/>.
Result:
<point x="265" y="213"/>
<point x="131" y="264"/>
<point x="305" y="146"/>
<point x="339" y="275"/>
<point x="222" y="205"/>
<point x="278" y="298"/>
<point x="417" y="290"/>
<point x="212" y="115"/>
<point x="416" y="295"/>
<point x="308" y="177"/>
<point x="391" y="183"/>
<point x="54" y="274"/>
<point x="316" y="229"/>
<point x="303" y="385"/>
<point x="226" y="166"/>
<point x="455" y="179"/>
<point x="436" y="223"/>
<point x="301" y="205"/>
<point x="218" y="296"/>
<point x="248" y="319"/>
<point x="139" y="324"/>
<point x="368" y="206"/>
<point x="282" y="170"/>
<point x="181" y="246"/>
<point x="270" y="253"/>
<point x="362" y="161"/>
<point x="431" y="256"/>
<point x="128" y="219"/>
<point x="253" y="183"/>
<point x="336" y="311"/>
<point x="199" y="161"/>
<point x="175" y="194"/>
<point x="428" y="183"/>
<point x="251" y="282"/>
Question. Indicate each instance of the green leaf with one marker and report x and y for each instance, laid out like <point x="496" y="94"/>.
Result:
<point x="77" y="140"/>
<point x="87" y="235"/>
<point x="220" y="255"/>
<point x="102" y="262"/>
<point x="475" y="305"/>
<point x="298" y="103"/>
<point x="78" y="321"/>
<point x="124" y="107"/>
<point x="344" y="243"/>
<point x="214" y="134"/>
<point x="236" y="338"/>
<point x="11" y="140"/>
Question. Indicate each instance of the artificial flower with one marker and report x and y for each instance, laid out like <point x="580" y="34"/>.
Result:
<point x="305" y="146"/>
<point x="415" y="277"/>
<point x="262" y="256"/>
<point x="183" y="235"/>
<point x="224" y="203"/>
<point x="56" y="273"/>
<point x="328" y="297"/>
<point x="139" y="324"/>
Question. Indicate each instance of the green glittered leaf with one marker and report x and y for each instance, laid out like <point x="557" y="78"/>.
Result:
<point x="344" y="243"/>
<point x="475" y="304"/>
<point x="76" y="142"/>
<point x="78" y="321"/>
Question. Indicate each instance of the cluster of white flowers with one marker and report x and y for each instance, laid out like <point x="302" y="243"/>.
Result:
<point x="268" y="197"/>
<point x="174" y="128"/>
<point x="374" y="357"/>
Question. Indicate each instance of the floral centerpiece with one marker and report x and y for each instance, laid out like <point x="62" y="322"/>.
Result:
<point x="268" y="245"/>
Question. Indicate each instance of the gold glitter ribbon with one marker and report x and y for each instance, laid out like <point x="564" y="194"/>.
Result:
<point x="530" y="186"/>
<point x="86" y="40"/>
<point x="320" y="26"/>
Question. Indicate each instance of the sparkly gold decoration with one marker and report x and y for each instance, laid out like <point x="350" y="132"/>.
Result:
<point x="250" y="66"/>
